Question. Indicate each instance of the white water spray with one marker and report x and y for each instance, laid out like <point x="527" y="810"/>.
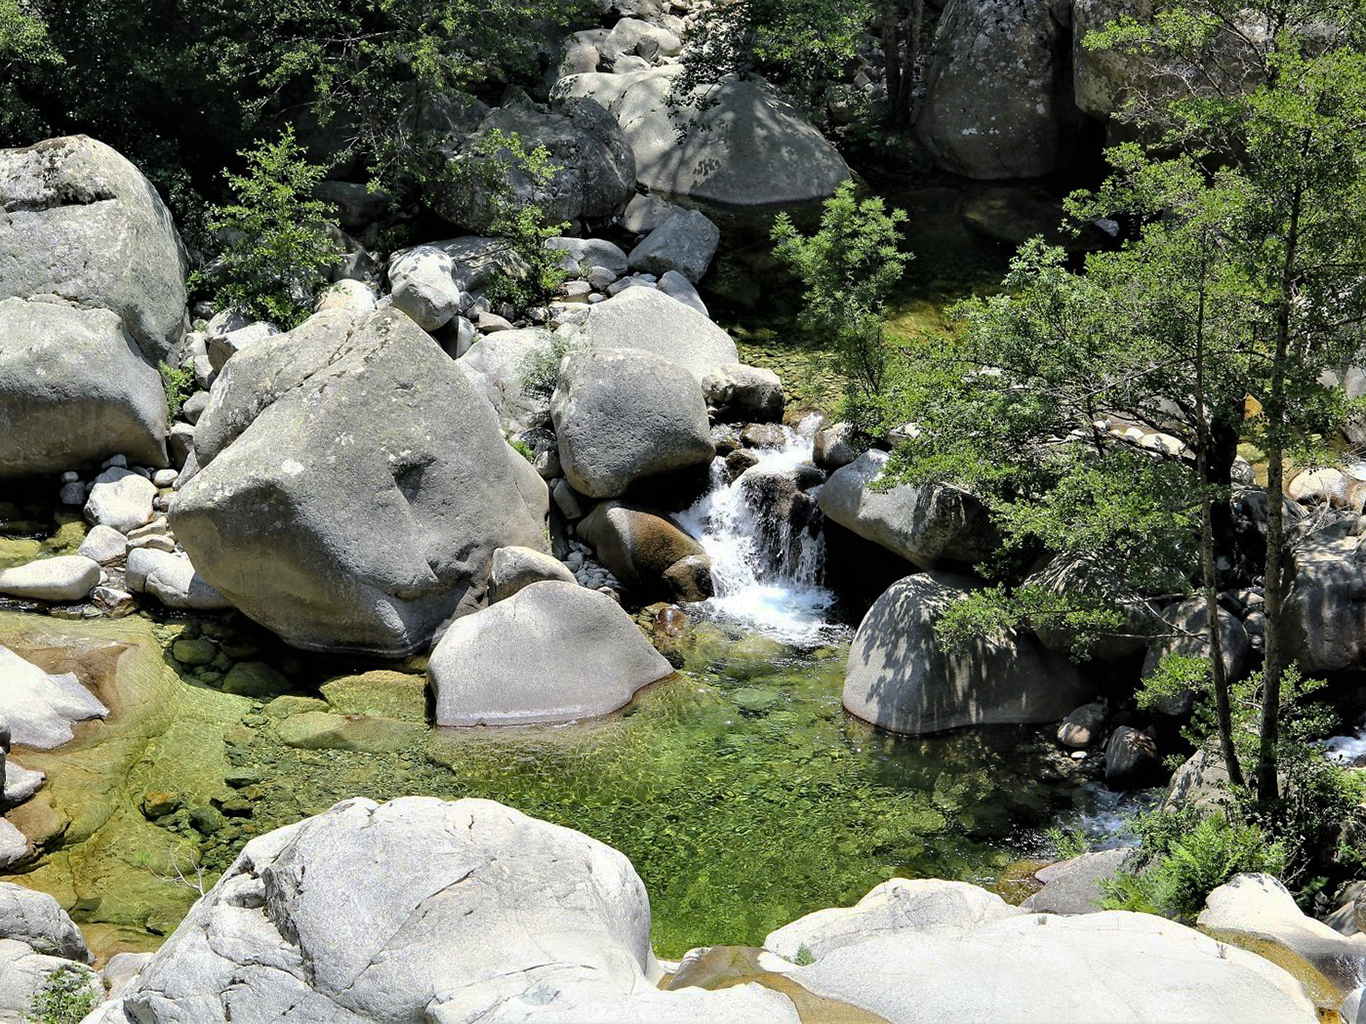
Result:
<point x="765" y="576"/>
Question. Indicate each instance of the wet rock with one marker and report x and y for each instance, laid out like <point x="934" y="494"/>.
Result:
<point x="316" y="730"/>
<point x="738" y="461"/>
<point x="763" y="435"/>
<point x="157" y="803"/>
<point x="622" y="416"/>
<point x="489" y="667"/>
<point x="1131" y="760"/>
<point x="834" y="446"/>
<point x="194" y="651"/>
<point x="901" y="678"/>
<point x="256" y="679"/>
<point x="643" y="550"/>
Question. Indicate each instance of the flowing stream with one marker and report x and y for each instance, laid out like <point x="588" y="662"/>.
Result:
<point x="767" y="571"/>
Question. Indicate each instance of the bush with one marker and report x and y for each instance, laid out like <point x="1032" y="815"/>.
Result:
<point x="179" y="385"/>
<point x="1186" y="858"/>
<point x="540" y="368"/>
<point x="65" y="998"/>
<point x="277" y="241"/>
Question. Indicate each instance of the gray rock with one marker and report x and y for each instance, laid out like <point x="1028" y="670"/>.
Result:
<point x="490" y="667"/>
<point x="685" y="243"/>
<point x="1186" y="624"/>
<point x="1082" y="726"/>
<point x="634" y="36"/>
<point x="567" y="501"/>
<point x="1131" y="760"/>
<point x="901" y="678"/>
<point x="20" y="783"/>
<point x="1324" y="622"/>
<point x="60" y="578"/>
<point x="496" y="365"/>
<point x="37" y="920"/>
<point x="587" y="253"/>
<point x="1025" y="969"/>
<point x="756" y="149"/>
<point x="450" y="910"/>
<point x="423" y="284"/>
<point x="1068" y="574"/>
<point x="645" y="213"/>
<point x="649" y="320"/>
<point x="998" y="93"/>
<point x="82" y="222"/>
<point x="74" y="387"/>
<point x="1073" y="886"/>
<point x="357" y="204"/>
<point x="622" y="416"/>
<point x="515" y="568"/>
<point x="642" y="549"/>
<point x="336" y="533"/>
<point x="120" y="499"/>
<point x="13" y="846"/>
<point x="921" y="906"/>
<point x="747" y="394"/>
<point x="121" y="971"/>
<point x="353" y="296"/>
<point x="103" y="544"/>
<point x="594" y="176"/>
<point x="170" y="577"/>
<point x="223" y="346"/>
<point x="834" y="448"/>
<point x="929" y="525"/>
<point x="41" y="708"/>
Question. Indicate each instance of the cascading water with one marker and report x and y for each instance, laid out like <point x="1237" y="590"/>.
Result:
<point x="766" y="551"/>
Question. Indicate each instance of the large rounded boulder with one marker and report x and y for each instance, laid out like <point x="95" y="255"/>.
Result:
<point x="998" y="98"/>
<point x="353" y="486"/>
<point x="552" y="652"/>
<point x="622" y="416"/>
<point x="594" y="171"/>
<point x="929" y="525"/>
<point x="903" y="678"/>
<point x="79" y="221"/>
<point x="74" y="389"/>
<point x="648" y="320"/>
<point x="734" y="143"/>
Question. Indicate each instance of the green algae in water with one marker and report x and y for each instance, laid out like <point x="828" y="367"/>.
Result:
<point x="740" y="815"/>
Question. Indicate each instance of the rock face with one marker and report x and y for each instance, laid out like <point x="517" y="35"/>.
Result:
<point x="643" y="550"/>
<point x="651" y="321"/>
<point x="998" y="101"/>
<point x="1256" y="911"/>
<point x="353" y="486"/>
<point x="926" y="906"/>
<point x="749" y="148"/>
<point x="416" y="911"/>
<point x="901" y="678"/>
<point x="79" y="221"/>
<point x="1325" y="606"/>
<point x="595" y="170"/>
<point x="121" y="499"/>
<point x="74" y="389"/>
<point x="41" y="708"/>
<point x="929" y="525"/>
<point x="1025" y="969"/>
<point x="492" y="667"/>
<point x="622" y="416"/>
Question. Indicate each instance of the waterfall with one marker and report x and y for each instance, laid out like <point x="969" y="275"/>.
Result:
<point x="766" y="568"/>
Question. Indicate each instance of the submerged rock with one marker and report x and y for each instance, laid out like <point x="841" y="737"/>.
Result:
<point x="903" y="679"/>
<point x="353" y="486"/>
<point x="553" y="652"/>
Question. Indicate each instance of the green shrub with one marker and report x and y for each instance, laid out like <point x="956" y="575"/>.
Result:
<point x="65" y="998"/>
<point x="523" y="449"/>
<point x="540" y="368"/>
<point x="1186" y="858"/>
<point x="277" y="242"/>
<point x="179" y="385"/>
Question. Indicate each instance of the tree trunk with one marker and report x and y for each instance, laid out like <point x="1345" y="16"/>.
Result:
<point x="891" y="62"/>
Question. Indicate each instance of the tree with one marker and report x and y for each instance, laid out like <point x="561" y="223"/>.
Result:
<point x="1278" y="101"/>
<point x="278" y="246"/>
<point x="848" y="268"/>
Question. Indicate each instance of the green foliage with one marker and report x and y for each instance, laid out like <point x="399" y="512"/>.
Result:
<point x="1068" y="843"/>
<point x="26" y="52"/>
<point x="804" y="957"/>
<point x="502" y="161"/>
<point x="523" y="449"/>
<point x="540" y="368"/>
<point x="179" y="385"/>
<point x="65" y="998"/>
<point x="1186" y="858"/>
<point x="848" y="269"/>
<point x="277" y="243"/>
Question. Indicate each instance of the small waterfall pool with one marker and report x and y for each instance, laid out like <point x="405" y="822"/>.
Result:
<point x="767" y="572"/>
